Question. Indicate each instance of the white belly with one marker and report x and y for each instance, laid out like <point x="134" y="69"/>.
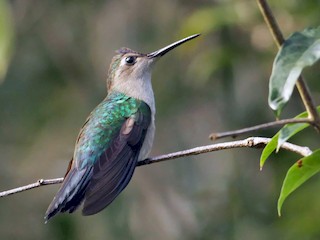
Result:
<point x="148" y="141"/>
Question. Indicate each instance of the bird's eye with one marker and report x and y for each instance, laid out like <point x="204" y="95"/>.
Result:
<point x="130" y="60"/>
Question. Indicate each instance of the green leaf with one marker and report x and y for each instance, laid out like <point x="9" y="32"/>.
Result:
<point x="6" y="37"/>
<point x="300" y="172"/>
<point x="291" y="129"/>
<point x="301" y="49"/>
<point x="288" y="131"/>
<point x="282" y="136"/>
<point x="268" y="149"/>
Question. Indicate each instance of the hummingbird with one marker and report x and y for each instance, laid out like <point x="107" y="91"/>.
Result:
<point x="117" y="134"/>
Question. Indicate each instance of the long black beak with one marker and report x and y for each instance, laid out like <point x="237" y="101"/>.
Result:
<point x="168" y="48"/>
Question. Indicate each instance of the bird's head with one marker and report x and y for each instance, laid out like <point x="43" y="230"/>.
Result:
<point x="130" y="67"/>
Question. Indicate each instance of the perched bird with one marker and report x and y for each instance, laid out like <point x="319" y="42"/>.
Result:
<point x="117" y="134"/>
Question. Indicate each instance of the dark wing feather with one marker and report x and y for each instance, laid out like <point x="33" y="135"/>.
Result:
<point x="115" y="167"/>
<point x="69" y="197"/>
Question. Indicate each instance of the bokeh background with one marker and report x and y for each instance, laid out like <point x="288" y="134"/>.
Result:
<point x="54" y="57"/>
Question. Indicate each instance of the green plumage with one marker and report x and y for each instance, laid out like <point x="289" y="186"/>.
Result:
<point x="105" y="157"/>
<point x="103" y="124"/>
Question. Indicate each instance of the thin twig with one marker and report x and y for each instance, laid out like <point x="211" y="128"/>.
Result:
<point x="39" y="183"/>
<point x="249" y="142"/>
<point x="271" y="22"/>
<point x="301" y="85"/>
<point x="235" y="133"/>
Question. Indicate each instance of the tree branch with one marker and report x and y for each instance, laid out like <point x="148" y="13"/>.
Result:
<point x="235" y="133"/>
<point x="39" y="183"/>
<point x="279" y="39"/>
<point x="252" y="142"/>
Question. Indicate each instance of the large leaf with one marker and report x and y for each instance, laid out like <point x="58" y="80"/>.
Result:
<point x="300" y="172"/>
<point x="282" y="136"/>
<point x="301" y="49"/>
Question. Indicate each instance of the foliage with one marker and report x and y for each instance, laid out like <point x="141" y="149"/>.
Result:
<point x="300" y="50"/>
<point x="300" y="172"/>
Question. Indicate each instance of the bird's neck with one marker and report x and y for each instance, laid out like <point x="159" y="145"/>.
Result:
<point x="139" y="89"/>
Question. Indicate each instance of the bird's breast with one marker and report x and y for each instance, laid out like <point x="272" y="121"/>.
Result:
<point x="148" y="141"/>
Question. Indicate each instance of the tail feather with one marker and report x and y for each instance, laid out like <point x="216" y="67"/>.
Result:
<point x="71" y="192"/>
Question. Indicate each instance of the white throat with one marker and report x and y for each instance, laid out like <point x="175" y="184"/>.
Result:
<point x="139" y="88"/>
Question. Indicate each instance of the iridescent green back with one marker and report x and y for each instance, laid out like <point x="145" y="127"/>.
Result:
<point x="103" y="124"/>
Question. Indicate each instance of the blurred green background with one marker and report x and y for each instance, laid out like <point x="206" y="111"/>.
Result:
<point x="54" y="57"/>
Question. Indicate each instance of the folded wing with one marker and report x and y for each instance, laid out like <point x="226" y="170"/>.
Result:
<point x="113" y="171"/>
<point x="102" y="173"/>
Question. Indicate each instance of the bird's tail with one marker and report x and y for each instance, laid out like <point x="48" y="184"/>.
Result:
<point x="71" y="192"/>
